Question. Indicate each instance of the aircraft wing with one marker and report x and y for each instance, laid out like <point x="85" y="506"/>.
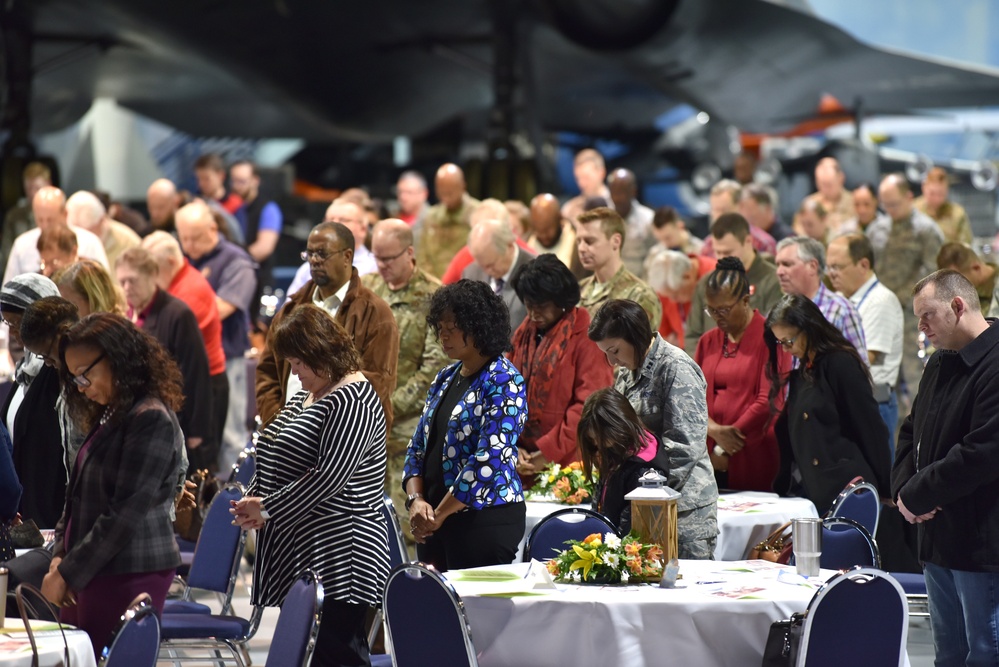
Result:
<point x="376" y="69"/>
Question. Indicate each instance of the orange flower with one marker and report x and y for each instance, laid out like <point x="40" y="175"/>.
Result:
<point x="633" y="548"/>
<point x="655" y="553"/>
<point x="553" y="567"/>
<point x="635" y="565"/>
<point x="594" y="539"/>
<point x="575" y="465"/>
<point x="563" y="485"/>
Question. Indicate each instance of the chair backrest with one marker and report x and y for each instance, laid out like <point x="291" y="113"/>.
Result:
<point x="220" y="547"/>
<point x="398" y="552"/>
<point x="298" y="624"/>
<point x="859" y="617"/>
<point x="548" y="538"/>
<point x="859" y="501"/>
<point x="427" y="625"/>
<point x="136" y="641"/>
<point x="244" y="467"/>
<point x="846" y="543"/>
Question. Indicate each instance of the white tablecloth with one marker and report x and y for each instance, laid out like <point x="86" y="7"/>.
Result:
<point x="744" y="518"/>
<point x="15" y="649"/>
<point x="719" y="615"/>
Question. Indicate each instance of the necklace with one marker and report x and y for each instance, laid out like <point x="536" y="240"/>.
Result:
<point x="318" y="395"/>
<point x="728" y="354"/>
<point x="106" y="416"/>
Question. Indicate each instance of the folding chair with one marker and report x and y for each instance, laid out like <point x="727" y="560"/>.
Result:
<point x="136" y="640"/>
<point x="914" y="585"/>
<point x="398" y="554"/>
<point x="244" y="467"/>
<point x="858" y="617"/>
<point x="298" y="624"/>
<point x="217" y="555"/>
<point x="859" y="501"/>
<point x="574" y="523"/>
<point x="846" y="543"/>
<point x="427" y="625"/>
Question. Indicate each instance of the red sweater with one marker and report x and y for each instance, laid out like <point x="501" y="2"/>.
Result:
<point x="191" y="287"/>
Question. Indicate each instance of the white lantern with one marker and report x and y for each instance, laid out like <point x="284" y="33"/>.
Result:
<point x="653" y="513"/>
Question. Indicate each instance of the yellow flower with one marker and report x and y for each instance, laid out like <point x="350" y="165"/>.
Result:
<point x="594" y="539"/>
<point x="587" y="559"/>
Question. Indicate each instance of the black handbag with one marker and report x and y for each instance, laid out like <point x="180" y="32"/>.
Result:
<point x="783" y="642"/>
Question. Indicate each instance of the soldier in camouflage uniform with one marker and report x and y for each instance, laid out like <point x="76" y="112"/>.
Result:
<point x="906" y="243"/>
<point x="668" y="391"/>
<point x="407" y="290"/>
<point x="447" y="224"/>
<point x="601" y="234"/>
<point x="949" y="215"/>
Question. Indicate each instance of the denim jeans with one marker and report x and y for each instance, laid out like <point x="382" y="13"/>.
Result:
<point x="964" y="615"/>
<point x="889" y="413"/>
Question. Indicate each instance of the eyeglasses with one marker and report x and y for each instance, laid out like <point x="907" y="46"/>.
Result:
<point x="82" y="380"/>
<point x="836" y="268"/>
<point x="386" y="260"/>
<point x="715" y="313"/>
<point x="788" y="343"/>
<point x="308" y="255"/>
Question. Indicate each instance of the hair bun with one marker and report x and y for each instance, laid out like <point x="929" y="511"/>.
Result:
<point x="730" y="264"/>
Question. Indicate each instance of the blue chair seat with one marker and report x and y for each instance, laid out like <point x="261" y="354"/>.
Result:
<point x="381" y="660"/>
<point x="185" y="607"/>
<point x="199" y="626"/>
<point x="912" y="583"/>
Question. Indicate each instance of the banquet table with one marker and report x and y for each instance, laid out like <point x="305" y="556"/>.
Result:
<point x="15" y="649"/>
<point x="744" y="518"/>
<point x="719" y="614"/>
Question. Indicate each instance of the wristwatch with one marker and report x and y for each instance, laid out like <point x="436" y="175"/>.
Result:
<point x="411" y="498"/>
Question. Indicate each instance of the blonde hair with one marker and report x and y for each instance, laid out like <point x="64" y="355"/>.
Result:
<point x="92" y="281"/>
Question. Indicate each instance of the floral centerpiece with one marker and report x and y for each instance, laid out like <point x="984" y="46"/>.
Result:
<point x="567" y="484"/>
<point x="608" y="559"/>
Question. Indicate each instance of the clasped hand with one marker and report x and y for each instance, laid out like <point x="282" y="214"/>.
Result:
<point x="915" y="518"/>
<point x="423" y="520"/>
<point x="54" y="587"/>
<point x="246" y="513"/>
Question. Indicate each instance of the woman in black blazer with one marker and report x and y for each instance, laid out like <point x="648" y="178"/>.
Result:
<point x="115" y="539"/>
<point x="830" y="428"/>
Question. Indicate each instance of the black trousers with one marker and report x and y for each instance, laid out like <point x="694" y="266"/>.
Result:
<point x="476" y="538"/>
<point x="342" y="640"/>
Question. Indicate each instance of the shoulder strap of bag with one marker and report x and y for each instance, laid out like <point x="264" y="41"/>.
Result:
<point x="24" y="608"/>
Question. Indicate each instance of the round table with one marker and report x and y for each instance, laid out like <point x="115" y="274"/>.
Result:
<point x="15" y="649"/>
<point x="744" y="519"/>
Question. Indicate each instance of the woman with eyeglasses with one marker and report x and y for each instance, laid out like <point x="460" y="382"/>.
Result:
<point x="28" y="410"/>
<point x="465" y="498"/>
<point x="115" y="539"/>
<point x="733" y="356"/>
<point x="830" y="428"/>
<point x="667" y="390"/>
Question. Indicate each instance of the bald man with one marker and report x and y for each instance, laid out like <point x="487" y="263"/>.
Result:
<point x="407" y="290"/>
<point x="497" y="257"/>
<point x="231" y="273"/>
<point x="831" y="193"/>
<point x="638" y="239"/>
<point x="162" y="201"/>
<point x="85" y="210"/>
<point x="551" y="233"/>
<point x="446" y="227"/>
<point x="49" y="208"/>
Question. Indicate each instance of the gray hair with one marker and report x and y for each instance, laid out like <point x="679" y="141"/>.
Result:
<point x="90" y="207"/>
<point x="498" y="233"/>
<point x="162" y="245"/>
<point x="490" y="209"/>
<point x="667" y="269"/>
<point x="808" y="249"/>
<point x="727" y="185"/>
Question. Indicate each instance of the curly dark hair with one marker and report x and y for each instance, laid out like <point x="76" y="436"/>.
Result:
<point x="479" y="313"/>
<point x="309" y="334"/>
<point x="608" y="433"/>
<point x="624" y="319"/>
<point x="797" y="311"/>
<point x="546" y="279"/>
<point x="47" y="319"/>
<point x="140" y="367"/>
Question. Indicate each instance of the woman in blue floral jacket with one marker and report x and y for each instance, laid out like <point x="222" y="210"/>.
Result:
<point x="465" y="499"/>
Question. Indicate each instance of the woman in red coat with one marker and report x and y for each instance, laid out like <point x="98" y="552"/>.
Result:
<point x="561" y="365"/>
<point x="734" y="357"/>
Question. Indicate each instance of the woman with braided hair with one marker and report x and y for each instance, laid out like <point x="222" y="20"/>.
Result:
<point x="733" y="357"/>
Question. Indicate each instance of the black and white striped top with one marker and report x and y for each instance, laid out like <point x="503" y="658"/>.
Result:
<point x="321" y="473"/>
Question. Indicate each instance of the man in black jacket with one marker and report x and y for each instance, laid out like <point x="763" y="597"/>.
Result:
<point x="946" y="474"/>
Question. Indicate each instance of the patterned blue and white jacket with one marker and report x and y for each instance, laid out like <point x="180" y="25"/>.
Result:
<point x="480" y="447"/>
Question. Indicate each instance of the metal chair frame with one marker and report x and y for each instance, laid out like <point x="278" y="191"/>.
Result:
<point x="394" y="532"/>
<point x="141" y="608"/>
<point x="872" y="544"/>
<point x="848" y="493"/>
<point x="555" y="516"/>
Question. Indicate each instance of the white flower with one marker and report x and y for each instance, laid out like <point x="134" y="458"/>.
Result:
<point x="613" y="560"/>
<point x="612" y="541"/>
<point x="624" y="577"/>
<point x="575" y="576"/>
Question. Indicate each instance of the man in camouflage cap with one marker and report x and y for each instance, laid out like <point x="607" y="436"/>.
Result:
<point x="407" y="290"/>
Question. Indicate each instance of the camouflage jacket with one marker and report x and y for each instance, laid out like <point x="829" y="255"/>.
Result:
<point x="623" y="285"/>
<point x="952" y="219"/>
<point x="420" y="354"/>
<point x="904" y="251"/>
<point x="444" y="233"/>
<point x="670" y="396"/>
